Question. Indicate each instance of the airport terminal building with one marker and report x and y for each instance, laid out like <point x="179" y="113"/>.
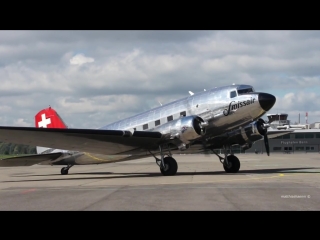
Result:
<point x="304" y="139"/>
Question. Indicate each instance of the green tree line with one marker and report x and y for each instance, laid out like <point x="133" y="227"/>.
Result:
<point x="13" y="149"/>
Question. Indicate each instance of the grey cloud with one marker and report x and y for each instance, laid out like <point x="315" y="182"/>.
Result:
<point x="34" y="45"/>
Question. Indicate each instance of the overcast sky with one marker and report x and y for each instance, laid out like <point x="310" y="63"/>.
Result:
<point x="92" y="78"/>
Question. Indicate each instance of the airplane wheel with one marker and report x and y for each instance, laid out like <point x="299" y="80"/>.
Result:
<point x="171" y="166"/>
<point x="64" y="171"/>
<point x="233" y="166"/>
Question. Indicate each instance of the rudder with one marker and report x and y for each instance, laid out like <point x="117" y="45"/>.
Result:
<point x="49" y="118"/>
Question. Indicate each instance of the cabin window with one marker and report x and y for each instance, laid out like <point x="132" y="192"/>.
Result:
<point x="145" y="126"/>
<point x="183" y="114"/>
<point x="277" y="148"/>
<point x="233" y="94"/>
<point x="317" y="135"/>
<point x="169" y="118"/>
<point x="157" y="123"/>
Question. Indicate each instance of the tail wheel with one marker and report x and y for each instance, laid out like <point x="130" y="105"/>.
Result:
<point x="171" y="166"/>
<point x="64" y="171"/>
<point x="233" y="164"/>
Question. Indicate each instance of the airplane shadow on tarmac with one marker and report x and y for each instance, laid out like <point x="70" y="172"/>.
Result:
<point x="91" y="175"/>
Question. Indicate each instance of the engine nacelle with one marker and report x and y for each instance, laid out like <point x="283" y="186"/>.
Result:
<point x="184" y="129"/>
<point x="247" y="135"/>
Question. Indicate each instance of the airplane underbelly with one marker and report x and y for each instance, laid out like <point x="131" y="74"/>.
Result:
<point x="84" y="158"/>
<point x="92" y="158"/>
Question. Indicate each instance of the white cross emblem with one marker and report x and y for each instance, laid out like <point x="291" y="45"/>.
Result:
<point x="44" y="122"/>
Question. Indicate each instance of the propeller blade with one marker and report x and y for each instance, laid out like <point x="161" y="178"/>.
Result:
<point x="266" y="143"/>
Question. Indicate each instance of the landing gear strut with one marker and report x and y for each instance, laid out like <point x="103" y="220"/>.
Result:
<point x="231" y="163"/>
<point x="65" y="170"/>
<point x="168" y="165"/>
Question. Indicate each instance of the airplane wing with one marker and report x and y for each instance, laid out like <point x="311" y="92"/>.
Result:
<point x="87" y="140"/>
<point x="109" y="142"/>
<point x="237" y="137"/>
<point x="28" y="160"/>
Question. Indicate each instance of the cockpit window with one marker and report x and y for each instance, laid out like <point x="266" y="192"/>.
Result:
<point x="233" y="94"/>
<point x="244" y="91"/>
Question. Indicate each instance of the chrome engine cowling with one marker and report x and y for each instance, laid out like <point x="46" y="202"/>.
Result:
<point x="245" y="136"/>
<point x="185" y="129"/>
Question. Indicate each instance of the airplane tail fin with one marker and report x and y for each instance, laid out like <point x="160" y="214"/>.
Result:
<point x="48" y="118"/>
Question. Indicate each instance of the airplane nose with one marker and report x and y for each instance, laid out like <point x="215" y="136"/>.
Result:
<point x="266" y="101"/>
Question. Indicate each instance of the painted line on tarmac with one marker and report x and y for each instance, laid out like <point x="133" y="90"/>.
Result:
<point x="28" y="191"/>
<point x="225" y="180"/>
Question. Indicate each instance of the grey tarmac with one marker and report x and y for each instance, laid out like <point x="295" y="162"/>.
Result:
<point x="278" y="182"/>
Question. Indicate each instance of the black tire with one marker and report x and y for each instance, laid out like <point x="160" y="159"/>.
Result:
<point x="233" y="166"/>
<point x="171" y="167"/>
<point x="64" y="171"/>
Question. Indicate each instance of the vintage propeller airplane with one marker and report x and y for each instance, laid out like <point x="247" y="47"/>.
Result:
<point x="213" y="119"/>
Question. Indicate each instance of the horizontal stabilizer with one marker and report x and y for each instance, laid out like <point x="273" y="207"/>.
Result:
<point x="28" y="160"/>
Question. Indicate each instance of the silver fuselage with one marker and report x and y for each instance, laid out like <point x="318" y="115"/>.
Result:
<point x="212" y="106"/>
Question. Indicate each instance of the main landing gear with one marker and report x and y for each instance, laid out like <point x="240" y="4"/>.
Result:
<point x="65" y="170"/>
<point x="231" y="163"/>
<point x="168" y="165"/>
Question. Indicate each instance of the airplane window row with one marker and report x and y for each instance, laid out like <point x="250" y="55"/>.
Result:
<point x="157" y="122"/>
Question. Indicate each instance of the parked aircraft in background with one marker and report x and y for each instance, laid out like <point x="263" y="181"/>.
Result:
<point x="212" y="119"/>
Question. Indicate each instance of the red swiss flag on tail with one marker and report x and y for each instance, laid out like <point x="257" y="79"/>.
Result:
<point x="48" y="118"/>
